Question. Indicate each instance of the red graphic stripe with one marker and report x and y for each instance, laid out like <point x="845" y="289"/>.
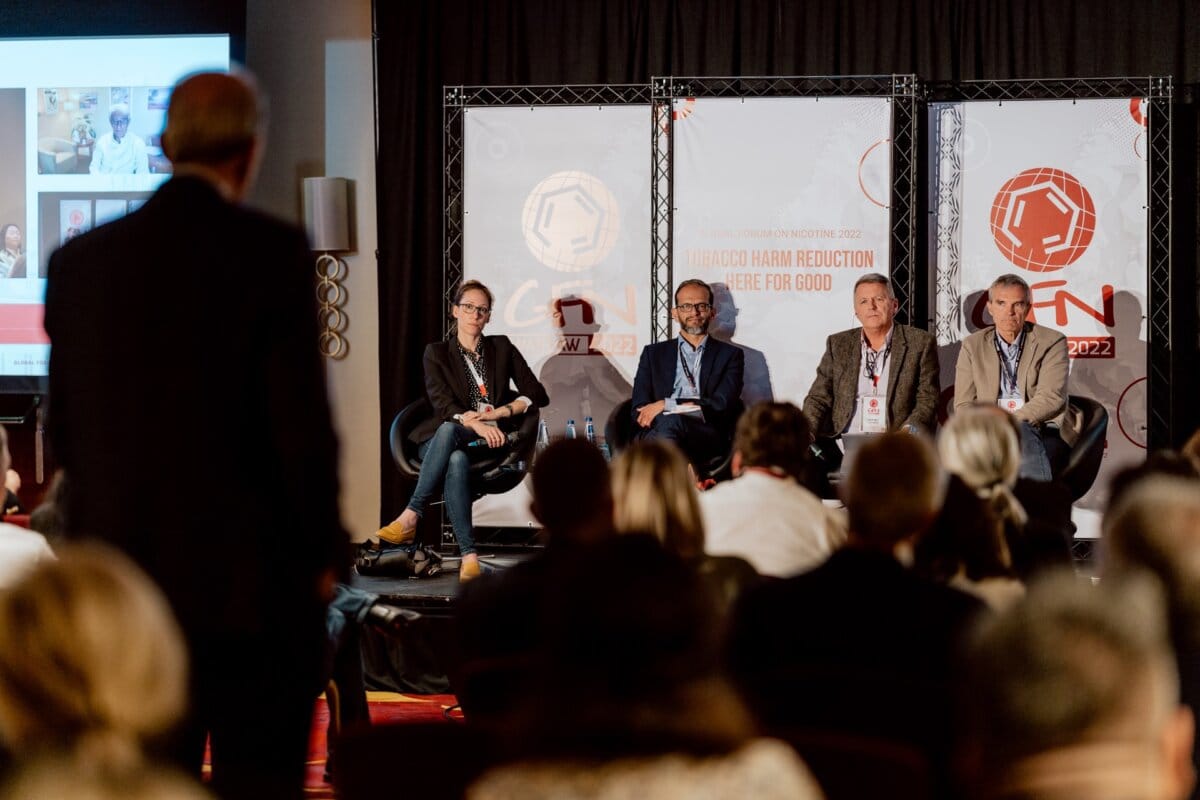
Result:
<point x="22" y="324"/>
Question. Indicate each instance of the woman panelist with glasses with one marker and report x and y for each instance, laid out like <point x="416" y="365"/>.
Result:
<point x="467" y="382"/>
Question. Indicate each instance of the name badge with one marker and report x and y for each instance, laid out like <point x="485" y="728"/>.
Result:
<point x="1010" y="404"/>
<point x="485" y="407"/>
<point x="874" y="415"/>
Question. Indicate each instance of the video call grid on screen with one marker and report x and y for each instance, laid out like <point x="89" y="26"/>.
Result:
<point x="57" y="97"/>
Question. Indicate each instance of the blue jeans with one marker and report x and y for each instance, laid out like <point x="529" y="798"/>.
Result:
<point x="343" y="658"/>
<point x="446" y="465"/>
<point x="1035" y="461"/>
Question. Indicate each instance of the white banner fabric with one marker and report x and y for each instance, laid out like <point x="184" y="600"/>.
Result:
<point x="556" y="216"/>
<point x="1054" y="191"/>
<point x="781" y="204"/>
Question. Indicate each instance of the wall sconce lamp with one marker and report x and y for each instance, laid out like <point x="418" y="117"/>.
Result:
<point x="327" y="221"/>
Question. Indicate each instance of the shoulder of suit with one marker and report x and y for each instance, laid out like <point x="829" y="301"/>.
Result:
<point x="979" y="336"/>
<point x="1049" y="335"/>
<point x="913" y="332"/>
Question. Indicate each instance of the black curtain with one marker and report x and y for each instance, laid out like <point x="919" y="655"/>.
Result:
<point x="423" y="45"/>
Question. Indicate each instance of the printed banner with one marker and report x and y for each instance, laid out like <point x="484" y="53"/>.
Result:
<point x="1054" y="191"/>
<point x="781" y="204"/>
<point x="557" y="223"/>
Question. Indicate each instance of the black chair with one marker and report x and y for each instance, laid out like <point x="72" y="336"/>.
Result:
<point x="619" y="432"/>
<point x="494" y="475"/>
<point x="1086" y="455"/>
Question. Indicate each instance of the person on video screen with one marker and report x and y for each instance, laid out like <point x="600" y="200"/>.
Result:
<point x="120" y="152"/>
<point x="11" y="249"/>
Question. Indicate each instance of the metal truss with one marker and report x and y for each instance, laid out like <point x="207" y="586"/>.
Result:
<point x="1160" y="400"/>
<point x="906" y="97"/>
<point x="1158" y="91"/>
<point x="1039" y="89"/>
<point x="662" y="185"/>
<point x="456" y="101"/>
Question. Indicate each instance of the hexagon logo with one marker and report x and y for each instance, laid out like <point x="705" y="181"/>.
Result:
<point x="570" y="221"/>
<point x="1043" y="219"/>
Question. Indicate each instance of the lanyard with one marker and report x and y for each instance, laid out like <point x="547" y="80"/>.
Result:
<point x="687" y="372"/>
<point x="1008" y="372"/>
<point x="876" y="361"/>
<point x="475" y="373"/>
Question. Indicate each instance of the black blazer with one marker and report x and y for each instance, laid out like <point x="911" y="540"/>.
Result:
<point x="449" y="393"/>
<point x="721" y="370"/>
<point x="188" y="406"/>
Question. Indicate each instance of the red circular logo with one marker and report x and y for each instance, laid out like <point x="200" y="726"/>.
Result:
<point x="874" y="403"/>
<point x="1043" y="219"/>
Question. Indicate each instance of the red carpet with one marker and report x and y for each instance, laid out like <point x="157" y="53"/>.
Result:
<point x="386" y="707"/>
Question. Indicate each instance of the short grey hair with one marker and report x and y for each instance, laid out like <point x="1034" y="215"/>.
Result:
<point x="1009" y="279"/>
<point x="1155" y="526"/>
<point x="876" y="278"/>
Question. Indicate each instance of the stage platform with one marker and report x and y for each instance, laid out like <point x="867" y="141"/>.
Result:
<point x="423" y="661"/>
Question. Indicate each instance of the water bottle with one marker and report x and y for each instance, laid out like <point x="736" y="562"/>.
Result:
<point x="570" y="429"/>
<point x="589" y="430"/>
<point x="543" y="436"/>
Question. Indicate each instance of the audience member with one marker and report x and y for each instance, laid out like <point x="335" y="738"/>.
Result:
<point x="985" y="451"/>
<point x="58" y="779"/>
<point x="248" y="565"/>
<point x="631" y="700"/>
<point x="861" y="644"/>
<point x="12" y="486"/>
<point x="766" y="515"/>
<point x="493" y="615"/>
<point x="1153" y="524"/>
<point x="1071" y="693"/>
<point x="654" y="493"/>
<point x="49" y="518"/>
<point x="92" y="663"/>
<point x="981" y="449"/>
<point x="1191" y="450"/>
<point x="20" y="549"/>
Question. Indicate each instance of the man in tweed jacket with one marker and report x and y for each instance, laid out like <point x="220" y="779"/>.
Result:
<point x="881" y="359"/>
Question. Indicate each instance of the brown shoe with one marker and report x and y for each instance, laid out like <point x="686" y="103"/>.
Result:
<point x="394" y="533"/>
<point x="468" y="569"/>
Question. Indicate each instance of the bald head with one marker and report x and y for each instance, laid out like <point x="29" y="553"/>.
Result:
<point x="213" y="119"/>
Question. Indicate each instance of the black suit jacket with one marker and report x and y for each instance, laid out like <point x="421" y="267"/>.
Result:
<point x="188" y="407"/>
<point x="449" y="392"/>
<point x="721" y="370"/>
<point x="868" y="648"/>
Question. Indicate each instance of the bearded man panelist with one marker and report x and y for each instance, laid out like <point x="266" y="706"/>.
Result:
<point x="688" y="390"/>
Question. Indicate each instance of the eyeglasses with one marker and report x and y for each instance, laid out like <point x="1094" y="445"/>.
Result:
<point x="471" y="308"/>
<point x="700" y="308"/>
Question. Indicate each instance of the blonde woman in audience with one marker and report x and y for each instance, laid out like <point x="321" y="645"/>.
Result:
<point x="981" y="449"/>
<point x="92" y="663"/>
<point x="653" y="492"/>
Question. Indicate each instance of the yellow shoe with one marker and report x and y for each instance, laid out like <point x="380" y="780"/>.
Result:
<point x="394" y="533"/>
<point x="469" y="568"/>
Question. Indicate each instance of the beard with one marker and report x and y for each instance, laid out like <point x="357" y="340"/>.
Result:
<point x="695" y="329"/>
